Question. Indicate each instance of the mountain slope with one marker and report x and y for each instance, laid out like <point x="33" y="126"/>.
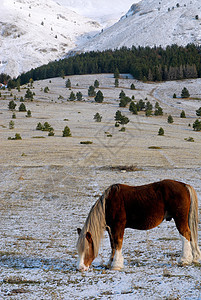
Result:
<point x="153" y="22"/>
<point x="34" y="32"/>
<point x="104" y="11"/>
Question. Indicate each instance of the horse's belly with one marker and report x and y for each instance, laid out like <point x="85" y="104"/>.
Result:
<point x="144" y="223"/>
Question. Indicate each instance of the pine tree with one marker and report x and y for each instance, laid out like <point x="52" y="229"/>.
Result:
<point x="150" y="75"/>
<point x="141" y="105"/>
<point x="99" y="97"/>
<point x="148" y="109"/>
<point x="66" y="132"/>
<point x="11" y="124"/>
<point x="17" y="136"/>
<point x="96" y="83"/>
<point x="68" y="83"/>
<point x="62" y="74"/>
<point x="22" y="107"/>
<point x="46" y="89"/>
<point x="79" y="96"/>
<point x="91" y="91"/>
<point x="158" y="111"/>
<point x="12" y="105"/>
<point x="116" y="82"/>
<point x="121" y="118"/>
<point x="170" y="119"/>
<point x="161" y="131"/>
<point x="132" y="86"/>
<point x="183" y="115"/>
<point x="51" y="133"/>
<point x="185" y="93"/>
<point x="198" y="112"/>
<point x="39" y="126"/>
<point x="47" y="127"/>
<point x="28" y="114"/>
<point x="29" y="95"/>
<point x="133" y="108"/>
<point x="148" y="112"/>
<point x="124" y="101"/>
<point x="124" y="120"/>
<point x="118" y="115"/>
<point x="97" y="117"/>
<point x="197" y="125"/>
<point x="116" y="73"/>
<point x="72" y="96"/>
<point x="122" y="94"/>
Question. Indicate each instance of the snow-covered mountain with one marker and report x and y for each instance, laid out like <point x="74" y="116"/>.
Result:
<point x="153" y="22"/>
<point x="104" y="11"/>
<point x="34" y="32"/>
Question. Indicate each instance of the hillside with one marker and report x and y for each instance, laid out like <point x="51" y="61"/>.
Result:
<point x="36" y="32"/>
<point x="153" y="23"/>
<point x="105" y="12"/>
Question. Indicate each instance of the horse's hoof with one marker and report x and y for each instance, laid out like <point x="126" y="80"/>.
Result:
<point x="116" y="268"/>
<point x="183" y="263"/>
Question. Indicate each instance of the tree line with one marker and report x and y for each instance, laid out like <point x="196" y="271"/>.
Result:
<point x="144" y="63"/>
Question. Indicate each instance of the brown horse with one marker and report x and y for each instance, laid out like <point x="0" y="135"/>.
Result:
<point x="140" y="207"/>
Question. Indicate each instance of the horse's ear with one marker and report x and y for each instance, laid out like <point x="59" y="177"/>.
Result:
<point x="78" y="231"/>
<point x="89" y="237"/>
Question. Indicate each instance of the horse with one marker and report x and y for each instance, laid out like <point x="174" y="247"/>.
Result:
<point x="140" y="207"/>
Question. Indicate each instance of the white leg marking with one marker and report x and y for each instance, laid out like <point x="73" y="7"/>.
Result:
<point x="186" y="256"/>
<point x="118" y="261"/>
<point x="81" y="266"/>
<point x="196" y="252"/>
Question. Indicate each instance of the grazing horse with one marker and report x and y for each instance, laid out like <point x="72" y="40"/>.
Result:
<point x="140" y="207"/>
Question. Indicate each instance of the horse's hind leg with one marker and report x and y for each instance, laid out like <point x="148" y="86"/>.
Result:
<point x="185" y="234"/>
<point x="186" y="256"/>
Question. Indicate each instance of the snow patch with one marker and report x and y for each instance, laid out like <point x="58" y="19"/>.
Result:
<point x="36" y="32"/>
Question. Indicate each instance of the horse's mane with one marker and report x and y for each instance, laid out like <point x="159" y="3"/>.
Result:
<point x="95" y="224"/>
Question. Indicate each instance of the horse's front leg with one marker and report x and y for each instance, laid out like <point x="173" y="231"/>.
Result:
<point x="118" y="260"/>
<point x="109" y="264"/>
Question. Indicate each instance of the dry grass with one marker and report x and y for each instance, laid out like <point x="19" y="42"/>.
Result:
<point x="48" y="185"/>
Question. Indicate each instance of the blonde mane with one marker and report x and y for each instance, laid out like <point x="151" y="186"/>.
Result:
<point x="95" y="224"/>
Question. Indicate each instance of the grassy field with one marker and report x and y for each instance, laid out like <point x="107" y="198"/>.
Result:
<point x="49" y="183"/>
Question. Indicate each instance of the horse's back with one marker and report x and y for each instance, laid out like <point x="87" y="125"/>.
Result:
<point x="145" y="207"/>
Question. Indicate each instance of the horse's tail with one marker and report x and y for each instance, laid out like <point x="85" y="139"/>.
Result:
<point x="193" y="223"/>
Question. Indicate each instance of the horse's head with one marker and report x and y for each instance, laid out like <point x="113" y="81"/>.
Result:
<point x="85" y="249"/>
